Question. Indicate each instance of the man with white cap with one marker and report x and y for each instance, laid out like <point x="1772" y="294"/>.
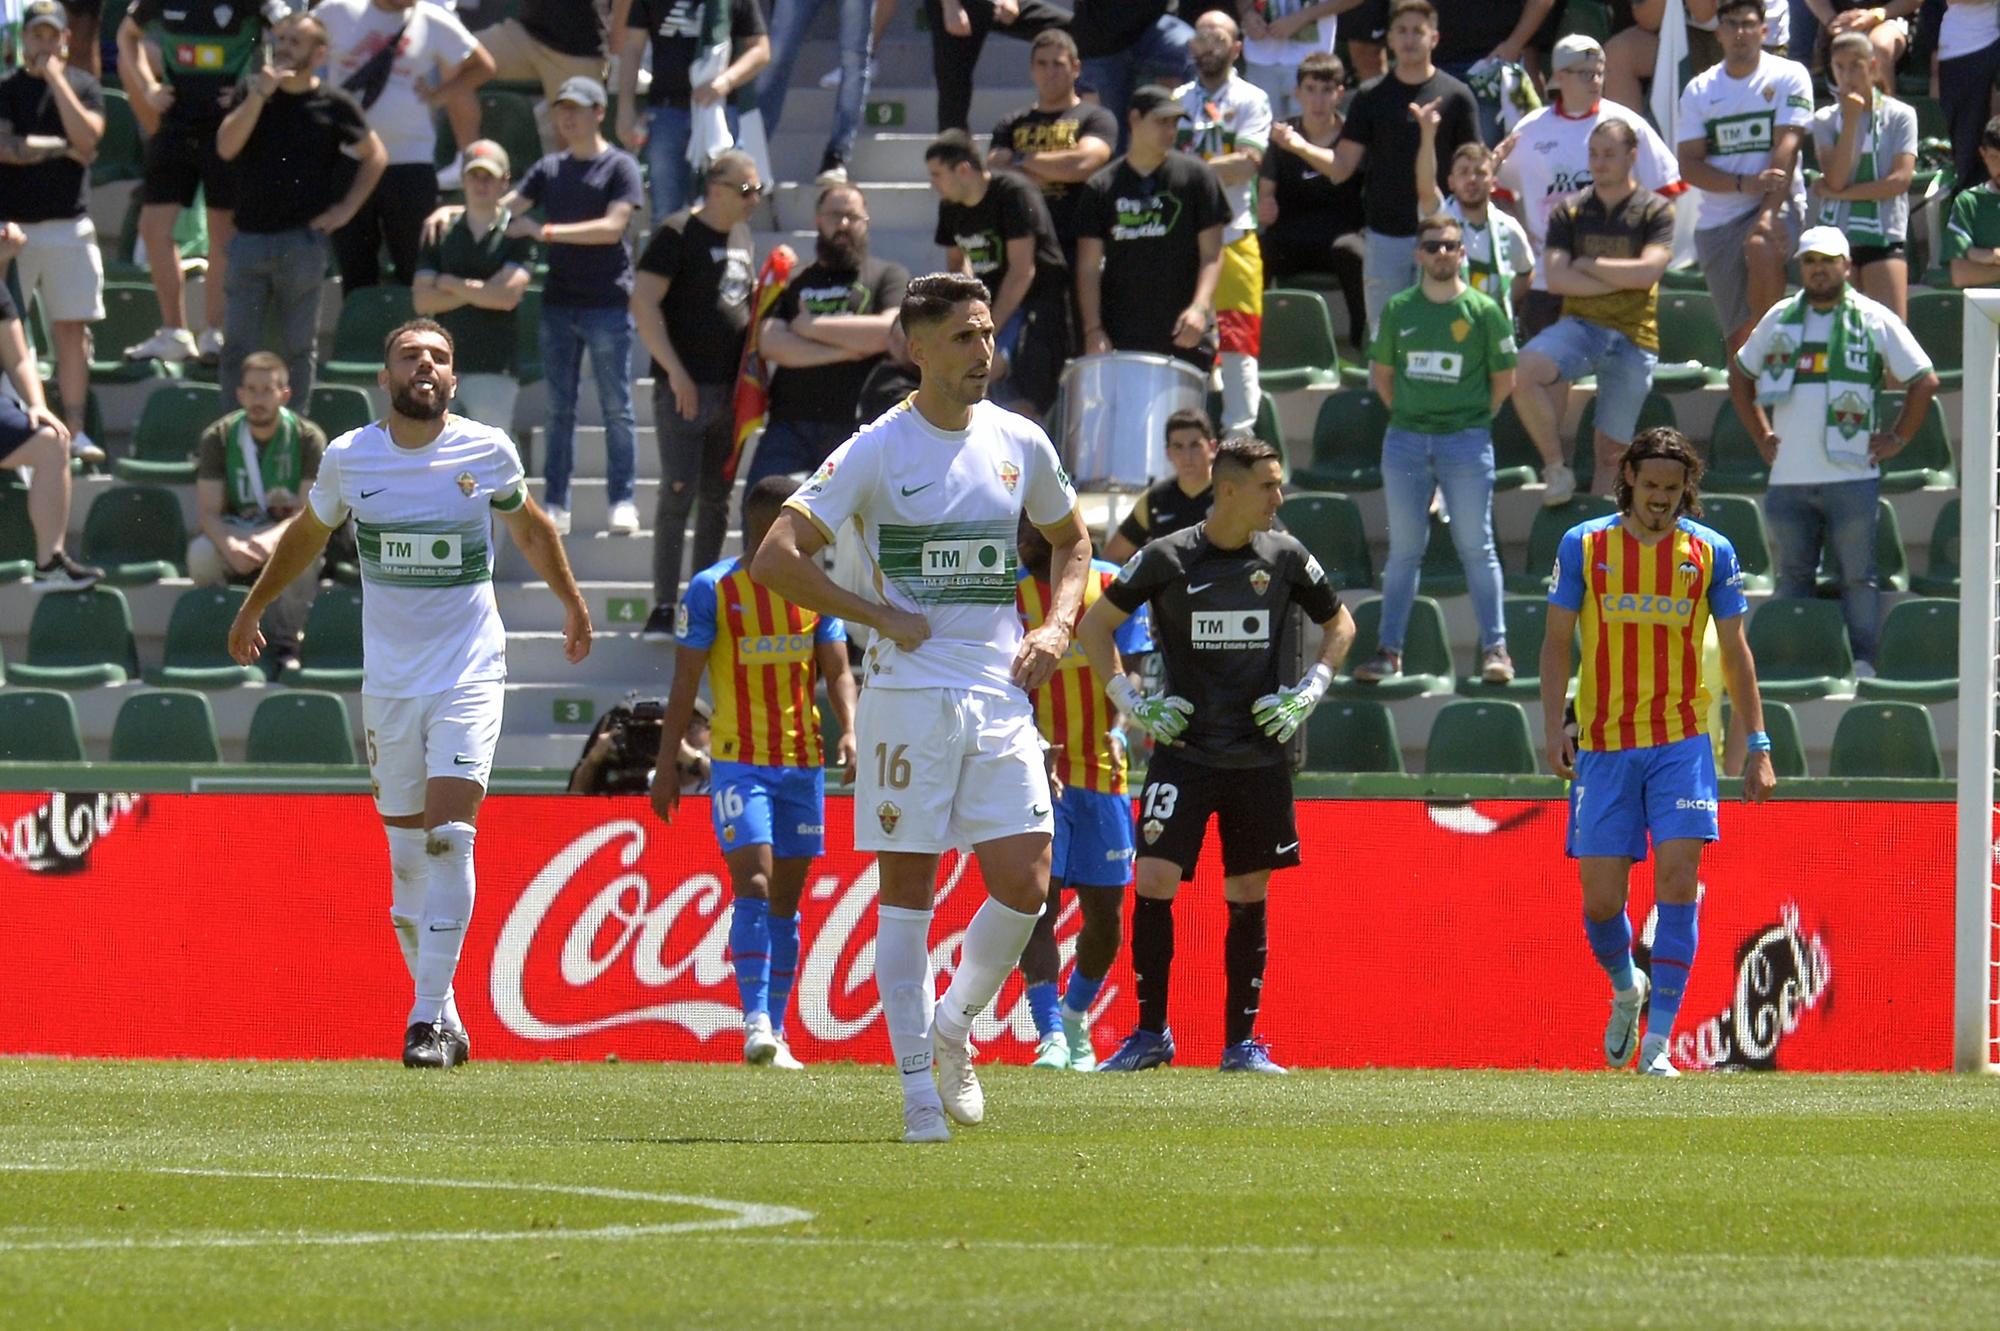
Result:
<point x="471" y="280"/>
<point x="1804" y="384"/>
<point x="1547" y="158"/>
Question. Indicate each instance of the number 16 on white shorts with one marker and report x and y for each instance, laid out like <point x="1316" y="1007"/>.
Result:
<point x="946" y="768"/>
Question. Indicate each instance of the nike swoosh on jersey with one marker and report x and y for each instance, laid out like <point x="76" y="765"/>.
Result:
<point x="370" y="494"/>
<point x="1194" y="587"/>
<point x="1406" y="332"/>
<point x="1288" y="846"/>
<point x="909" y="490"/>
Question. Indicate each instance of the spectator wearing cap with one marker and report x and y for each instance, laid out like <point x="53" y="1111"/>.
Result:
<point x="672" y="29"/>
<point x="471" y="280"/>
<point x="1307" y="223"/>
<point x="1149" y="243"/>
<point x="33" y="437"/>
<point x="1277" y="37"/>
<point x="1866" y="143"/>
<point x="1060" y="140"/>
<point x="1972" y="234"/>
<point x="1381" y="128"/>
<point x="1814" y="363"/>
<point x="691" y="303"/>
<point x="315" y="161"/>
<point x="548" y="42"/>
<point x="51" y="119"/>
<point x="252" y="470"/>
<point x="587" y="193"/>
<point x="1547" y="160"/>
<point x="399" y="59"/>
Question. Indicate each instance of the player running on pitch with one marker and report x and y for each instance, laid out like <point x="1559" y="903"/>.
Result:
<point x="767" y="783"/>
<point x="949" y="755"/>
<point x="423" y="486"/>
<point x="1643" y="584"/>
<point x="1220" y="592"/>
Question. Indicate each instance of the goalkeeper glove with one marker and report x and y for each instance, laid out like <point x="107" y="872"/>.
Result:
<point x="1163" y="717"/>
<point x="1280" y="714"/>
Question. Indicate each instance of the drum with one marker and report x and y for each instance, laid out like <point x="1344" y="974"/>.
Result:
<point x="1114" y="413"/>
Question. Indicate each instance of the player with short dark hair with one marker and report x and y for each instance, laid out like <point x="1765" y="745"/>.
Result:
<point x="1175" y="502"/>
<point x="1220" y="592"/>
<point x="1643" y="584"/>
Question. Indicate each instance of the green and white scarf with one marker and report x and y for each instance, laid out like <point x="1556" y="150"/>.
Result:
<point x="1853" y="369"/>
<point x="1863" y="223"/>
<point x="251" y="476"/>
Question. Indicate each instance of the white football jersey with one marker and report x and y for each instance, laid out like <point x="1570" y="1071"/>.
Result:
<point x="423" y="519"/>
<point x="1551" y="161"/>
<point x="1740" y="119"/>
<point x="1233" y="119"/>
<point x="939" y="512"/>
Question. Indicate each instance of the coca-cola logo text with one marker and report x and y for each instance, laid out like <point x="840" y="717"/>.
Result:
<point x="1781" y="975"/>
<point x="57" y="837"/>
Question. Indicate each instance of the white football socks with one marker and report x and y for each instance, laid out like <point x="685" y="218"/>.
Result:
<point x="992" y="948"/>
<point x="447" y="911"/>
<point x="909" y="997"/>
<point x="409" y="879"/>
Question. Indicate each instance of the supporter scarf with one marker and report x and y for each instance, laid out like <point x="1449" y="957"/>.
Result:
<point x="251" y="477"/>
<point x="1853" y="369"/>
<point x="1864" y="217"/>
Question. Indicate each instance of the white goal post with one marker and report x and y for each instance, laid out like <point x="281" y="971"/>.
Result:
<point x="1973" y="1025"/>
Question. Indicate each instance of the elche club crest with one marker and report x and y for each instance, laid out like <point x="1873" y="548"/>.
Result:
<point x="1152" y="828"/>
<point x="1260" y="581"/>
<point x="888" y="815"/>
<point x="467" y="483"/>
<point x="1010" y="475"/>
<point x="1850" y="414"/>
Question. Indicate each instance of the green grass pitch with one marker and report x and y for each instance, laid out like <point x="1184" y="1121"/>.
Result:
<point x="358" y="1195"/>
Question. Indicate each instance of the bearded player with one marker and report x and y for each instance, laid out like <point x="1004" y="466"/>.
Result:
<point x="423" y="486"/>
<point x="1643" y="584"/>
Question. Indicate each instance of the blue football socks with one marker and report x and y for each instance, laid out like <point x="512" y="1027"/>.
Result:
<point x="1082" y="992"/>
<point x="1611" y="944"/>
<point x="750" y="952"/>
<point x="784" y="966"/>
<point x="1673" y="958"/>
<point x="1045" y="1002"/>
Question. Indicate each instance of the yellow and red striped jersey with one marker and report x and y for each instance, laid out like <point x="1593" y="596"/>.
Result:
<point x="761" y="672"/>
<point x="1643" y="611"/>
<point x="1071" y="710"/>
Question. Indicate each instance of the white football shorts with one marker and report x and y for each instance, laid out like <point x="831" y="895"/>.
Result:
<point x="411" y="740"/>
<point x="943" y="769"/>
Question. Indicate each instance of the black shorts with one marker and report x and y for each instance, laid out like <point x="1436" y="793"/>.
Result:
<point x="1866" y="254"/>
<point x="182" y="156"/>
<point x="1252" y="807"/>
<point x="15" y="429"/>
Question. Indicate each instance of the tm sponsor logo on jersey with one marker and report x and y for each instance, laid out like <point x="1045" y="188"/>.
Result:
<point x="421" y="552"/>
<point x="964" y="563"/>
<point x="1230" y="630"/>
<point x="1443" y="367"/>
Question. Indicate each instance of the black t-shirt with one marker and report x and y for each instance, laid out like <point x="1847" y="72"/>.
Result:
<point x="709" y="276"/>
<point x="1106" y="27"/>
<point x="1151" y="228"/>
<point x="572" y="27"/>
<point x="828" y="392"/>
<point x="1308" y="203"/>
<point x="568" y="188"/>
<point x="1218" y="622"/>
<point x="1033" y="131"/>
<point x="1468" y="30"/>
<point x="46" y="191"/>
<point x="296" y="163"/>
<point x="675" y="26"/>
<point x="886" y="385"/>
<point x="1163" y="509"/>
<point x="1379" y="119"/>
<point x="1011" y="208"/>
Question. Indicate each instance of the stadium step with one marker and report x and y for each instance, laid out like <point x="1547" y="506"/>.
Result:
<point x="898" y="205"/>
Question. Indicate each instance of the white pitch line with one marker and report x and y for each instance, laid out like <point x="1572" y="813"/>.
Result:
<point x="739" y="1215"/>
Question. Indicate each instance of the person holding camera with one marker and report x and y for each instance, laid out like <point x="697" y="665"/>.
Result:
<point x="764" y="658"/>
<point x="622" y="755"/>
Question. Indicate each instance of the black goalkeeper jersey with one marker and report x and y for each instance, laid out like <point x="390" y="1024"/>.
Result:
<point x="1218" y="618"/>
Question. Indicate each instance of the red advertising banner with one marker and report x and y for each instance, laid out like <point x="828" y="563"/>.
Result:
<point x="1415" y="935"/>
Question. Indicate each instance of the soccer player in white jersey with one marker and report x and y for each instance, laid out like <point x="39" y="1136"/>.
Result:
<point x="949" y="755"/>
<point x="423" y="486"/>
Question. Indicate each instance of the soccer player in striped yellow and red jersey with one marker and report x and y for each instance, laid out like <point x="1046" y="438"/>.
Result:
<point x="1093" y="816"/>
<point x="1642" y="585"/>
<point x="767" y="788"/>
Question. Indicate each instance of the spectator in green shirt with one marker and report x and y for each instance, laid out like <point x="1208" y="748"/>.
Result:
<point x="1443" y="361"/>
<point x="471" y="280"/>
<point x="1972" y="236"/>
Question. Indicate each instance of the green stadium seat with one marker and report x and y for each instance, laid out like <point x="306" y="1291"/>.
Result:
<point x="1298" y="348"/>
<point x="17" y="534"/>
<point x="1886" y="739"/>
<point x="1347" y="443"/>
<point x="1545" y="538"/>
<point x="1781" y="723"/>
<point x="1515" y="461"/>
<point x="136" y="533"/>
<point x="366" y="316"/>
<point x="1266" y="428"/>
<point x="131" y="315"/>
<point x="1585" y="18"/>
<point x="165" y="726"/>
<point x="1918" y="658"/>
<point x="1684" y="279"/>
<point x="1352" y="735"/>
<point x="507" y="117"/>
<point x="78" y="640"/>
<point x="197" y="647"/>
<point x="1940" y="578"/>
<point x="1657" y="409"/>
<point x="1694" y="353"/>
<point x="1801" y="649"/>
<point x="1426" y="653"/>
<point x="301" y="726"/>
<point x="1481" y="736"/>
<point x="330" y="645"/>
<point x="1937" y="319"/>
<point x="1741" y="522"/>
<point x="1329" y="525"/>
<point x="1526" y="620"/>
<point x="338" y="408"/>
<point x="1927" y="461"/>
<point x="1734" y="464"/>
<point x="169" y="431"/>
<point x="121" y="152"/>
<point x="39" y="726"/>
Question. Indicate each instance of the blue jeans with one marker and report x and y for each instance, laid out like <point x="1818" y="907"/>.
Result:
<point x="1388" y="265"/>
<point x="670" y="184"/>
<point x="285" y="271"/>
<point x="1161" y="49"/>
<point x="1461" y="464"/>
<point x="607" y="331"/>
<point x="789" y="21"/>
<point x="1839" y="518"/>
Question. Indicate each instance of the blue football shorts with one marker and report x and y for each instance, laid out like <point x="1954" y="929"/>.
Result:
<point x="1093" y="845"/>
<point x="780" y="807"/>
<point x="1667" y="790"/>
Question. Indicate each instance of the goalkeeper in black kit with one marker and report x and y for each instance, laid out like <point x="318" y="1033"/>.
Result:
<point x="1220" y="593"/>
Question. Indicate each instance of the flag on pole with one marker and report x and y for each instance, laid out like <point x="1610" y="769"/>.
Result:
<point x="753" y="379"/>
